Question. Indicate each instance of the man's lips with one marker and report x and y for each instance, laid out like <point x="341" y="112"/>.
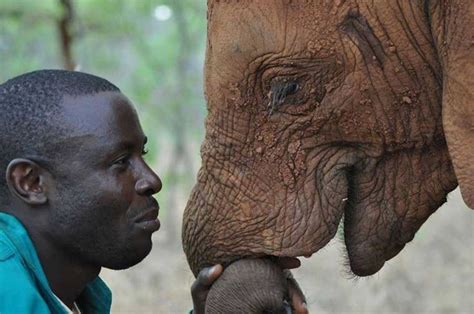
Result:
<point x="148" y="221"/>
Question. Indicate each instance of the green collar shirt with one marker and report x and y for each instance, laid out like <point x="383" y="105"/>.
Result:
<point x="23" y="284"/>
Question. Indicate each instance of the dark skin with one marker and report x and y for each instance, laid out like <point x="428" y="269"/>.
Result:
<point x="95" y="207"/>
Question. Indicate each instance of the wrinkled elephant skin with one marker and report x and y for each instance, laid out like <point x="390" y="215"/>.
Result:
<point x="320" y="111"/>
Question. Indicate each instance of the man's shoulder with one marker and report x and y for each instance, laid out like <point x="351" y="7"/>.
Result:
<point x="13" y="267"/>
<point x="18" y="291"/>
<point x="13" y="273"/>
<point x="6" y="249"/>
<point x="12" y="270"/>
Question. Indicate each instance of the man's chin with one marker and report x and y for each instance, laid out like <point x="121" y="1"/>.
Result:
<point x="129" y="258"/>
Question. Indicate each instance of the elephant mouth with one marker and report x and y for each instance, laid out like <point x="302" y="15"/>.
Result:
<point x="378" y="204"/>
<point x="372" y="232"/>
<point x="382" y="206"/>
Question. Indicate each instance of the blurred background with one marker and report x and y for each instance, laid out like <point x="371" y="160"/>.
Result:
<point x="154" y="52"/>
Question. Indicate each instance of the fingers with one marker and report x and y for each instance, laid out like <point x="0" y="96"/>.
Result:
<point x="297" y="298"/>
<point x="201" y="286"/>
<point x="207" y="276"/>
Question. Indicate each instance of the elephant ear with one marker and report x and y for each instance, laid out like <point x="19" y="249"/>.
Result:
<point x="452" y="24"/>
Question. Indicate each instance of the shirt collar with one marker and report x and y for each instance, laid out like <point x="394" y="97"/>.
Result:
<point x="17" y="234"/>
<point x="96" y="296"/>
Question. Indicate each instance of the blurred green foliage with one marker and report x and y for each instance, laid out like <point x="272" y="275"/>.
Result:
<point x="156" y="60"/>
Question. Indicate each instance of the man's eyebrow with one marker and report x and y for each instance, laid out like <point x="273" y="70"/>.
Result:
<point x="125" y="145"/>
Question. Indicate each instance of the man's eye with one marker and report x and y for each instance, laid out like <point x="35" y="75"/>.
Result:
<point x="122" y="161"/>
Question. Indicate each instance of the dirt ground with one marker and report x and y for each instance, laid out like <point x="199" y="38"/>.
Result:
<point x="433" y="274"/>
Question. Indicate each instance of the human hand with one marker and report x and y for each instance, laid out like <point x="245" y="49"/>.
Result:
<point x="202" y="285"/>
<point x="295" y="295"/>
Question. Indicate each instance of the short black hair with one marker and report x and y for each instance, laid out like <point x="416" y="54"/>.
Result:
<point x="29" y="104"/>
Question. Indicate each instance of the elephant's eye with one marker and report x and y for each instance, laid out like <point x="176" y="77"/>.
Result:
<point x="290" y="88"/>
<point x="279" y="91"/>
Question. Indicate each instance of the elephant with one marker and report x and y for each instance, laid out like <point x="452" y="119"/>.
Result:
<point x="324" y="113"/>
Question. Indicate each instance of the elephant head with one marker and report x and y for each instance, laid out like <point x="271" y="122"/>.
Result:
<point x="328" y="111"/>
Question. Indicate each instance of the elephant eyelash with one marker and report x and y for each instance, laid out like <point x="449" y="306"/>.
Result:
<point x="279" y="91"/>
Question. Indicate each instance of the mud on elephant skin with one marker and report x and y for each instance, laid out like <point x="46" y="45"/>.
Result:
<point x="320" y="111"/>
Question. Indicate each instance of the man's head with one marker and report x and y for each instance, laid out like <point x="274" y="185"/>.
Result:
<point x="72" y="169"/>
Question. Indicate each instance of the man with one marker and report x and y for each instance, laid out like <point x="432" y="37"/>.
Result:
<point x="75" y="193"/>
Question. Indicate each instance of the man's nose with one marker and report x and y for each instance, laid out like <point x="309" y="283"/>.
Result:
<point x="149" y="183"/>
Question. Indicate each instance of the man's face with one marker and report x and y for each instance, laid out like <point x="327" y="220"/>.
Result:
<point x="102" y="209"/>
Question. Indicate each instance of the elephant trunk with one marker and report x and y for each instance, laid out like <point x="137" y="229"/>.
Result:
<point x="249" y="286"/>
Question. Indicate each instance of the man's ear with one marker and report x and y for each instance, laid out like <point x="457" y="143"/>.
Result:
<point x="26" y="180"/>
